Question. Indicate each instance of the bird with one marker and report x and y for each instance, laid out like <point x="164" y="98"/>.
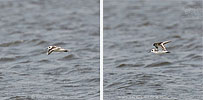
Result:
<point x="51" y="49"/>
<point x="160" y="45"/>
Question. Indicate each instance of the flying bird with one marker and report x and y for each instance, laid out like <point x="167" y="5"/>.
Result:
<point x="55" y="49"/>
<point x="158" y="46"/>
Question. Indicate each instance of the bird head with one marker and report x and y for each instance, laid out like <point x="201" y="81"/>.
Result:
<point x="153" y="50"/>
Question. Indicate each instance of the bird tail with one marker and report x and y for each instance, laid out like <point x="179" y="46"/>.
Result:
<point x="65" y="50"/>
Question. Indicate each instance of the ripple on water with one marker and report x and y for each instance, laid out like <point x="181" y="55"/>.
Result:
<point x="6" y="59"/>
<point x="56" y="71"/>
<point x="36" y="42"/>
<point x="158" y="64"/>
<point x="13" y="43"/>
<point x="44" y="61"/>
<point x="41" y="42"/>
<point x="129" y="65"/>
<point x="194" y="57"/>
<point x="60" y="43"/>
<point x="176" y="36"/>
<point x="27" y="61"/>
<point x="10" y="59"/>
<point x="19" y="98"/>
<point x="69" y="57"/>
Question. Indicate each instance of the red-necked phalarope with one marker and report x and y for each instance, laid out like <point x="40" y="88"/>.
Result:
<point x="160" y="45"/>
<point x="55" y="49"/>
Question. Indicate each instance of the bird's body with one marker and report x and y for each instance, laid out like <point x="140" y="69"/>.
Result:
<point x="159" y="52"/>
<point x="55" y="49"/>
<point x="160" y="48"/>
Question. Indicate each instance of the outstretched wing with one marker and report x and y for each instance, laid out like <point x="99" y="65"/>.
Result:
<point x="162" y="45"/>
<point x="165" y="42"/>
<point x="49" y="52"/>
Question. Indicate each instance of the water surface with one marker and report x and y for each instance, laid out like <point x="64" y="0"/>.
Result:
<point x="130" y="29"/>
<point x="27" y="28"/>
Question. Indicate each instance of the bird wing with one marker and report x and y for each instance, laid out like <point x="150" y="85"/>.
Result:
<point x="162" y="45"/>
<point x="49" y="52"/>
<point x="165" y="42"/>
<point x="157" y="45"/>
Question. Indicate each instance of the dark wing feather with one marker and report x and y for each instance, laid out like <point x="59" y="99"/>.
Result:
<point x="157" y="44"/>
<point x="161" y="45"/>
<point x="50" y="51"/>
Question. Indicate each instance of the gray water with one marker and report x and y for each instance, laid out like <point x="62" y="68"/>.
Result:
<point x="27" y="28"/>
<point x="130" y="29"/>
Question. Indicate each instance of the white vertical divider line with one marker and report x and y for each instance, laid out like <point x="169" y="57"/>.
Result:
<point x="101" y="49"/>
